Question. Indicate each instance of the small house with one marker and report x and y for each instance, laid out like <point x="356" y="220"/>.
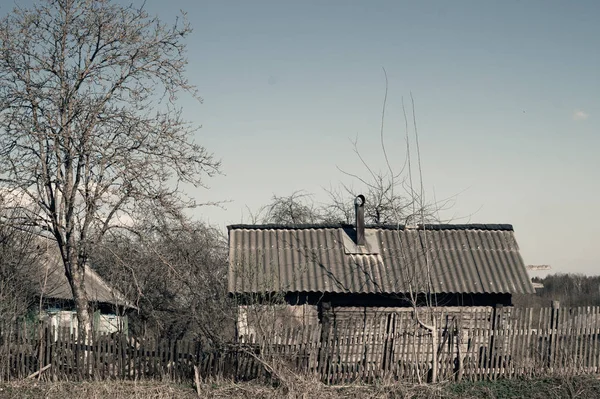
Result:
<point x="58" y="307"/>
<point x="309" y="268"/>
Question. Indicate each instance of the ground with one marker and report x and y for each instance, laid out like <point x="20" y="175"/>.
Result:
<point x="583" y="387"/>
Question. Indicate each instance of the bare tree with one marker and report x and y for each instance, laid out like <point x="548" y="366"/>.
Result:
<point x="89" y="131"/>
<point x="20" y="262"/>
<point x="296" y="208"/>
<point x="176" y="273"/>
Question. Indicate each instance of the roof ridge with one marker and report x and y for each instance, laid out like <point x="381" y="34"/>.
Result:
<point x="427" y="226"/>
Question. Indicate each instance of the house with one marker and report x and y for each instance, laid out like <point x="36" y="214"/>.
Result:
<point x="58" y="306"/>
<point x="314" y="267"/>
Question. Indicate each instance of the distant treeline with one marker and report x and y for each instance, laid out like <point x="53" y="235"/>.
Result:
<point x="569" y="289"/>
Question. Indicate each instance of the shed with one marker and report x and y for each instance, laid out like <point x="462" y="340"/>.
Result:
<point x="389" y="266"/>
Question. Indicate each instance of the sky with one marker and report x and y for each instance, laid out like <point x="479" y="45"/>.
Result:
<point x="506" y="100"/>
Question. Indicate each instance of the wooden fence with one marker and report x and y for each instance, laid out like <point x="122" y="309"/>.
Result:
<point x="349" y="345"/>
<point x="58" y="354"/>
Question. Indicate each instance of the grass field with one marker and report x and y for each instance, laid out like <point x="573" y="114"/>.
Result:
<point x="582" y="387"/>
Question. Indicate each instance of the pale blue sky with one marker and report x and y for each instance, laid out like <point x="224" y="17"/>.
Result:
<point x="507" y="97"/>
<point x="507" y="102"/>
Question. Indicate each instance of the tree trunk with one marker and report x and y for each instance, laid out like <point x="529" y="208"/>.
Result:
<point x="77" y="282"/>
<point x="434" y="349"/>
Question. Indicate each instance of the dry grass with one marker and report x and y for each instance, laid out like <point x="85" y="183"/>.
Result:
<point x="95" y="390"/>
<point x="226" y="390"/>
<point x="305" y="387"/>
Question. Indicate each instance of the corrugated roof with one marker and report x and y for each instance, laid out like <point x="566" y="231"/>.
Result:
<point x="312" y="258"/>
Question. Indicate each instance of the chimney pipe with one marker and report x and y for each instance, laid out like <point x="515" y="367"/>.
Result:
<point x="359" y="207"/>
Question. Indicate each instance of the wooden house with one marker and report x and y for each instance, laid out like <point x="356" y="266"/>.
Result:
<point x="58" y="307"/>
<point x="306" y="269"/>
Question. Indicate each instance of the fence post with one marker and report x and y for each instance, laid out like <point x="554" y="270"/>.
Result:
<point x="325" y="312"/>
<point x="496" y="341"/>
<point x="553" y="332"/>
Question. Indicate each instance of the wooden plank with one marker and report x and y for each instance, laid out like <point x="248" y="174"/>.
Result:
<point x="560" y="320"/>
<point x="120" y="347"/>
<point x="536" y="340"/>
<point x="578" y="327"/>
<point x="554" y="332"/>
<point x="401" y="359"/>
<point x="372" y="346"/>
<point x="492" y="346"/>
<point x="47" y="346"/>
<point x="385" y="327"/>
<point x="480" y="347"/>
<point x="596" y="344"/>
<point x="143" y="357"/>
<point x="63" y="352"/>
<point x="150" y="345"/>
<point x="75" y="354"/>
<point x="376" y="347"/>
<point x="56" y="363"/>
<point x="347" y="329"/>
<point x="593" y="338"/>
<point x="95" y="366"/>
<point x="571" y="334"/>
<point x="337" y="342"/>
<point x="517" y="337"/>
<point x="389" y="344"/>
<point x="86" y="353"/>
<point x="585" y="339"/>
<point x="523" y="347"/>
<point x="566" y="343"/>
<point x="162" y="350"/>
<point x="582" y="340"/>
<point x="592" y="329"/>
<point x="470" y="355"/>
<point x="170" y="359"/>
<point x="574" y="321"/>
<point x="508" y="327"/>
<point x="361" y="354"/>
<point x="546" y="331"/>
<point x="70" y="337"/>
<point x="484" y="352"/>
<point x="108" y="356"/>
<point x="114" y="357"/>
<point x="525" y="342"/>
<point x="475" y="345"/>
<point x="486" y="332"/>
<point x="443" y="339"/>
<point x="395" y="354"/>
<point x="98" y="361"/>
<point x="512" y="349"/>
<point x="418" y="356"/>
<point x="543" y="343"/>
<point x="551" y="322"/>
<point x="188" y="363"/>
<point x="526" y="331"/>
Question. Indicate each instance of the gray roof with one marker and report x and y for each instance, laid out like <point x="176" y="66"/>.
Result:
<point x="396" y="259"/>
<point x="52" y="283"/>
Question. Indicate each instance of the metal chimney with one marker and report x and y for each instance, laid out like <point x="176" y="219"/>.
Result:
<point x="359" y="207"/>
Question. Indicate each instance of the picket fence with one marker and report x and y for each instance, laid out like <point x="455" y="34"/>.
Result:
<point x="348" y="345"/>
